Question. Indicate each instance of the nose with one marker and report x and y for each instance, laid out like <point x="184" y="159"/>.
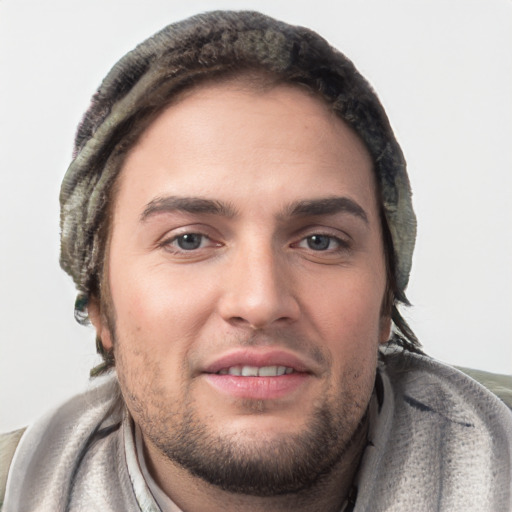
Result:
<point x="258" y="289"/>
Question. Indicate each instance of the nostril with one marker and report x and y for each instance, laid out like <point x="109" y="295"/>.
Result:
<point x="238" y="321"/>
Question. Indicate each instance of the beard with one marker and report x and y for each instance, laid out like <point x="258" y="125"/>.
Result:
<point x="246" y="463"/>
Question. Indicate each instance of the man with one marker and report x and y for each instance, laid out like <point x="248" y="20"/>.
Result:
<point x="238" y="222"/>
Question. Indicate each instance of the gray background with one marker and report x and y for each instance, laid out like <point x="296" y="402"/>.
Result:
<point x="443" y="69"/>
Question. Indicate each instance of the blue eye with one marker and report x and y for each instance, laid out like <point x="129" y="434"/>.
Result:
<point x="319" y="242"/>
<point x="189" y="241"/>
<point x="189" y="245"/>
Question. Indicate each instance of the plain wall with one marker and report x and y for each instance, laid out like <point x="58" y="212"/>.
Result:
<point x="443" y="70"/>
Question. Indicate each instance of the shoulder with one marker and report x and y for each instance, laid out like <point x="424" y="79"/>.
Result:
<point x="8" y="445"/>
<point x="56" y="442"/>
<point x="444" y="437"/>
<point x="446" y="384"/>
<point x="439" y="392"/>
<point x="498" y="384"/>
<point x="406" y="368"/>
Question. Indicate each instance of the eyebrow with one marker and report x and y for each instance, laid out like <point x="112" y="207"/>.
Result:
<point x="186" y="204"/>
<point x="326" y="206"/>
<point x="310" y="207"/>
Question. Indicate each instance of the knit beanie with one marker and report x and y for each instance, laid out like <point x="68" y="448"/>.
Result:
<point x="218" y="43"/>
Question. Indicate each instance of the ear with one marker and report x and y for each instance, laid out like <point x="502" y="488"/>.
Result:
<point x="384" y="329"/>
<point x="100" y="323"/>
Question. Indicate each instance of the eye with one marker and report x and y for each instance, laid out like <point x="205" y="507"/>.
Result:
<point x="319" y="242"/>
<point x="187" y="243"/>
<point x="190" y="241"/>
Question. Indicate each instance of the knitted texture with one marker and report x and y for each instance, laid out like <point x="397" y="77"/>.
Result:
<point x="219" y="43"/>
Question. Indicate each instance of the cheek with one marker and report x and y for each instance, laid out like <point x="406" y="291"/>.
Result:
<point x="346" y="307"/>
<point x="160" y="306"/>
<point x="346" y="316"/>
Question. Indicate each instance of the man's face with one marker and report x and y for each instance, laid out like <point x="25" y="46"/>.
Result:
<point x="246" y="274"/>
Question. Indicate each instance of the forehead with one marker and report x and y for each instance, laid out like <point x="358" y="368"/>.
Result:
<point x="224" y="139"/>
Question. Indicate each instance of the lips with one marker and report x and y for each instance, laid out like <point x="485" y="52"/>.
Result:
<point x="259" y="375"/>
<point x="255" y="371"/>
<point x="258" y="359"/>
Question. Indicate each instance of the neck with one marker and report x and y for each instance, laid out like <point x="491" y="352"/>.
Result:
<point x="192" y="494"/>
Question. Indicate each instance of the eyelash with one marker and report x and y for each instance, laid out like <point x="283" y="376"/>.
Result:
<point x="342" y="245"/>
<point x="169" y="244"/>
<point x="173" y="244"/>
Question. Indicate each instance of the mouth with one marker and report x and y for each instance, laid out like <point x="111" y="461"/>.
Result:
<point x="267" y="362"/>
<point x="258" y="375"/>
<point x="255" y="371"/>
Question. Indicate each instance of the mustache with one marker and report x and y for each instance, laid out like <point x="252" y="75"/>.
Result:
<point x="283" y="338"/>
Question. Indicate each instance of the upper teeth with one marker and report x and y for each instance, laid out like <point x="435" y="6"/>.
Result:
<point x="256" y="371"/>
